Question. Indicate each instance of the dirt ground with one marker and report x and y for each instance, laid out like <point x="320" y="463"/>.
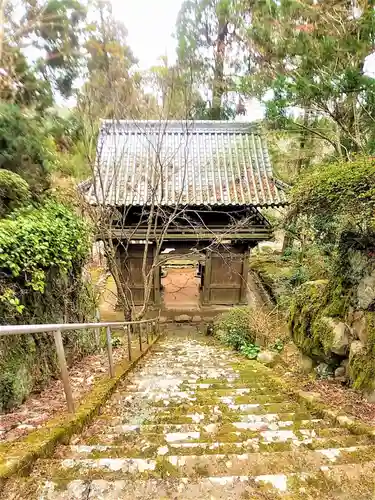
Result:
<point x="181" y="288"/>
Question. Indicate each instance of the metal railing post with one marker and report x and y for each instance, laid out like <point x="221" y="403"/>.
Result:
<point x="128" y="331"/>
<point x="64" y="370"/>
<point x="140" y="336"/>
<point x="97" y="330"/>
<point x="109" y="350"/>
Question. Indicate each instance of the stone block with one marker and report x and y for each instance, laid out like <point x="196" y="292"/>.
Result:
<point x="183" y="318"/>
<point x="366" y="291"/>
<point x="267" y="357"/>
<point x="359" y="326"/>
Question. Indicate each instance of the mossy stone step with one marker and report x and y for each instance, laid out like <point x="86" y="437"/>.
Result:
<point x="152" y="449"/>
<point x="255" y="408"/>
<point x="225" y="435"/>
<point x="181" y="392"/>
<point x="198" y="421"/>
<point x="344" y="482"/>
<point x="230" y="416"/>
<point x="173" y="399"/>
<point x="210" y="465"/>
<point x="257" y="424"/>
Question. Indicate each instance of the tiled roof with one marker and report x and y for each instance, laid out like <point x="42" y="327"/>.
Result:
<point x="172" y="163"/>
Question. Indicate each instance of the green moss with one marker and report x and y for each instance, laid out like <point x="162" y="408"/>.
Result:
<point x="338" y="301"/>
<point x="362" y="364"/>
<point x="164" y="469"/>
<point x="304" y="325"/>
<point x="321" y="338"/>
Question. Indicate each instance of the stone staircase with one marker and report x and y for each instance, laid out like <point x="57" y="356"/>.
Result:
<point x="196" y="421"/>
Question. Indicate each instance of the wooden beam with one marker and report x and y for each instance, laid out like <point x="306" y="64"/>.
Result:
<point x="259" y="235"/>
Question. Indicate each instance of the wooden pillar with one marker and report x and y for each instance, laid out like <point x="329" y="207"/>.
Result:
<point x="156" y="277"/>
<point x="207" y="278"/>
<point x="245" y="276"/>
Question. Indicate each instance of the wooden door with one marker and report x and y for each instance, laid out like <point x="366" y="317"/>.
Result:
<point x="225" y="281"/>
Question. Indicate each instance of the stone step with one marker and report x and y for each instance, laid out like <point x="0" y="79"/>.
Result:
<point x="216" y="417"/>
<point x="256" y="408"/>
<point x="235" y="391"/>
<point x="173" y="399"/>
<point x="193" y="466"/>
<point x="151" y="449"/>
<point x="346" y="482"/>
<point x="257" y="424"/>
<point x="203" y="389"/>
<point x="225" y="435"/>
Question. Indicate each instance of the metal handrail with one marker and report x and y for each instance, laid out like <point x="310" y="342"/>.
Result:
<point x="63" y="327"/>
<point x="151" y="325"/>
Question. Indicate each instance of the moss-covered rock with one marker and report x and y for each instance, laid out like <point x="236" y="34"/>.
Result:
<point x="274" y="273"/>
<point x="362" y="358"/>
<point x="308" y="331"/>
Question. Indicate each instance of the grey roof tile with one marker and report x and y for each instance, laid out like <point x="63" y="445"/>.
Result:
<point x="172" y="163"/>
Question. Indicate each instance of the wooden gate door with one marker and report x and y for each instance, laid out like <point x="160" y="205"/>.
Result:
<point x="225" y="280"/>
<point x="131" y="266"/>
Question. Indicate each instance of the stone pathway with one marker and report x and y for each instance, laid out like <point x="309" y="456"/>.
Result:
<point x="196" y="421"/>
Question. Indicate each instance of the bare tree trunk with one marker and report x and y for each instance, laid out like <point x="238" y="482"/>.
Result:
<point x="303" y="140"/>
<point x="301" y="163"/>
<point x="218" y="87"/>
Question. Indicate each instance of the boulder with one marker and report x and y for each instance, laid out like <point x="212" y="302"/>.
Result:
<point x="359" y="326"/>
<point x="341" y="339"/>
<point x="267" y="357"/>
<point x="345" y="364"/>
<point x="307" y="364"/>
<point x="350" y="315"/>
<point x="356" y="347"/>
<point x="323" y="370"/>
<point x="340" y="336"/>
<point x="366" y="291"/>
<point x="340" y="372"/>
<point x="183" y="318"/>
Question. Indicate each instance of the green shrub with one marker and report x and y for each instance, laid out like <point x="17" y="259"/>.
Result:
<point x="234" y="327"/>
<point x="43" y="251"/>
<point x="26" y="147"/>
<point x="14" y="192"/>
<point x="251" y="351"/>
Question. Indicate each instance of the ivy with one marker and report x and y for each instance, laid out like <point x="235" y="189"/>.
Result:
<point x="32" y="241"/>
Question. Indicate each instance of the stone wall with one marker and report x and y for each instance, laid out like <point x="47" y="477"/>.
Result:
<point x="335" y="327"/>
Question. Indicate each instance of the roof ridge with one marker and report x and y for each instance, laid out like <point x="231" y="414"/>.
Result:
<point x="181" y="125"/>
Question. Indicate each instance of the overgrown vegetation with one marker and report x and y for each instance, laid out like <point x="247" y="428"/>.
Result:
<point x="332" y="216"/>
<point x="249" y="331"/>
<point x="44" y="249"/>
<point x="44" y="246"/>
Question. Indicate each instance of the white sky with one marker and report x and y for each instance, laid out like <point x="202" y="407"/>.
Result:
<point x="150" y="24"/>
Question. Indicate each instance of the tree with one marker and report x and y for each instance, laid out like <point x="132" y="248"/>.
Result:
<point x="206" y="32"/>
<point x="51" y="27"/>
<point x="25" y="147"/>
<point x="176" y="96"/>
<point x="309" y="56"/>
<point x="110" y="76"/>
